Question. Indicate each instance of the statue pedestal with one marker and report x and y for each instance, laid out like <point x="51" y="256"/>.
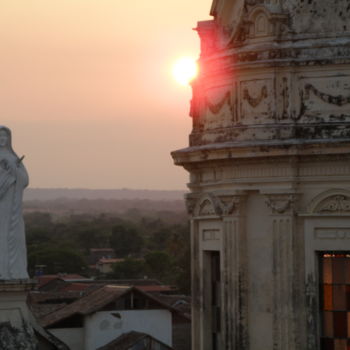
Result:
<point x="13" y="301"/>
<point x="16" y="330"/>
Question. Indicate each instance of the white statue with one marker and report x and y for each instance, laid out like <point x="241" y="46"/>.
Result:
<point x="13" y="180"/>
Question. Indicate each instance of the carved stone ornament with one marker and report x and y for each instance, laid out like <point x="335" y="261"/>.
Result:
<point x="203" y="205"/>
<point x="335" y="204"/>
<point x="216" y="107"/>
<point x="230" y="204"/>
<point x="255" y="101"/>
<point x="190" y="201"/>
<point x="214" y="205"/>
<point x="207" y="208"/>
<point x="334" y="100"/>
<point x="281" y="203"/>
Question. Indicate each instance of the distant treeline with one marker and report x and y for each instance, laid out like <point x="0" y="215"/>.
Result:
<point x="81" y="193"/>
<point x="156" y="246"/>
<point x="131" y="208"/>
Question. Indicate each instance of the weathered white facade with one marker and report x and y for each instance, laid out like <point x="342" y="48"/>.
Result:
<point x="104" y="326"/>
<point x="269" y="172"/>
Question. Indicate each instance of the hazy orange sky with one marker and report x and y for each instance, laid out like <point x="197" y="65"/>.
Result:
<point x="86" y="88"/>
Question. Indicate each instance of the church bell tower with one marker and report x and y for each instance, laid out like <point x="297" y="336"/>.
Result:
<point x="269" y="165"/>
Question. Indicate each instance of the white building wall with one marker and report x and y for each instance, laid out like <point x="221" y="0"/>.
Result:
<point x="105" y="326"/>
<point x="73" y="337"/>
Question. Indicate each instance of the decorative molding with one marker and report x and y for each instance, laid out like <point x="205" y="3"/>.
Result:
<point x="231" y="204"/>
<point x="207" y="205"/>
<point x="216" y="107"/>
<point x="335" y="204"/>
<point x="210" y="235"/>
<point x="334" y="100"/>
<point x="190" y="201"/>
<point x="210" y="204"/>
<point x="333" y="201"/>
<point x="255" y="101"/>
<point x="281" y="203"/>
<point x="332" y="233"/>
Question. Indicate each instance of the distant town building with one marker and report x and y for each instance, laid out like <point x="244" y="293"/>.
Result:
<point x="96" y="254"/>
<point x="269" y="164"/>
<point x="103" y="315"/>
<point x="105" y="265"/>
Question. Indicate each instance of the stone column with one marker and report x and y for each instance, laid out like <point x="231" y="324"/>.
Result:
<point x="191" y="200"/>
<point x="235" y="288"/>
<point x="283" y="226"/>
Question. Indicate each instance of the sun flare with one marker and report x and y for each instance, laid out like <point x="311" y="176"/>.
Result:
<point x="185" y="69"/>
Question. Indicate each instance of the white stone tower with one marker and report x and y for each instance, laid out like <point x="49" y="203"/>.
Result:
<point x="18" y="328"/>
<point x="269" y="164"/>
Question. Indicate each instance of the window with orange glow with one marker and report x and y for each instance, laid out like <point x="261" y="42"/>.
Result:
<point x="335" y="301"/>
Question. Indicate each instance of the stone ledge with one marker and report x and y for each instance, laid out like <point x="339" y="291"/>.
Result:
<point x="16" y="285"/>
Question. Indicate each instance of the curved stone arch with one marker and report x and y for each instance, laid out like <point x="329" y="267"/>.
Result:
<point x="332" y="201"/>
<point x="207" y="205"/>
<point x="260" y="22"/>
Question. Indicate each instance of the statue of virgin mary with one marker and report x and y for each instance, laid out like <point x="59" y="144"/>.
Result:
<point x="13" y="180"/>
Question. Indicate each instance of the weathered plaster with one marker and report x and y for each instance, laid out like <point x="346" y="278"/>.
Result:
<point x="269" y="164"/>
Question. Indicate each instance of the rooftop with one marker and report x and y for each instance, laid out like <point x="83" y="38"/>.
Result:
<point x="127" y="340"/>
<point x="100" y="298"/>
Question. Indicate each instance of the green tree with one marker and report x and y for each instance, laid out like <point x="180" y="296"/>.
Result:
<point x="160" y="265"/>
<point x="56" y="260"/>
<point x="129" y="268"/>
<point x="179" y="247"/>
<point x="125" y="241"/>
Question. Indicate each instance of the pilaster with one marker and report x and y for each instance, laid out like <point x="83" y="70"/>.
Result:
<point x="283" y="226"/>
<point x="235" y="280"/>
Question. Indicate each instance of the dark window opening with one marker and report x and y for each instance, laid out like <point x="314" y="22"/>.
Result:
<point x="335" y="300"/>
<point x="215" y="298"/>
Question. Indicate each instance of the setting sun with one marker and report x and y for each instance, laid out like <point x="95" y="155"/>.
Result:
<point x="185" y="69"/>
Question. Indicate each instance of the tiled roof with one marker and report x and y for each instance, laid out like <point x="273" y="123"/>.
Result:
<point x="40" y="310"/>
<point x="72" y="287"/>
<point x="43" y="279"/>
<point x="98" y="299"/>
<point x="179" y="302"/>
<point x="87" y="304"/>
<point x="127" y="340"/>
<point x="109" y="260"/>
<point x="41" y="297"/>
<point x="156" y="289"/>
<point x="93" y="250"/>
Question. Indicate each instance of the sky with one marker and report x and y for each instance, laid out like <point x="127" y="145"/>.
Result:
<point x="87" y="90"/>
